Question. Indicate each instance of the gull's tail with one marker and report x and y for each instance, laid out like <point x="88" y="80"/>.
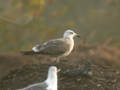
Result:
<point x="34" y="51"/>
<point x="28" y="52"/>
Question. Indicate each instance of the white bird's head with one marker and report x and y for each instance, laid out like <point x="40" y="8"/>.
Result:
<point x="52" y="78"/>
<point x="70" y="34"/>
<point x="52" y="72"/>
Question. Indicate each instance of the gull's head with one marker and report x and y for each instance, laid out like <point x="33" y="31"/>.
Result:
<point x="70" y="34"/>
<point x="52" y="72"/>
<point x="53" y="69"/>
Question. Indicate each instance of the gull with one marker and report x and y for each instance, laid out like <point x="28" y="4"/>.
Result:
<point x="56" y="48"/>
<point x="49" y="84"/>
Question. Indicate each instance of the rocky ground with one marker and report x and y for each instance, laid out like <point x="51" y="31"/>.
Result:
<point x="86" y="68"/>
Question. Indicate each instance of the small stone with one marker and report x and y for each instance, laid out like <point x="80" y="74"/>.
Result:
<point x="114" y="81"/>
<point x="101" y="72"/>
<point x="98" y="85"/>
<point x="117" y="72"/>
<point x="90" y="73"/>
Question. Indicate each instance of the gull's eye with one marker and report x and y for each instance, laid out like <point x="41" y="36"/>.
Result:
<point x="71" y="32"/>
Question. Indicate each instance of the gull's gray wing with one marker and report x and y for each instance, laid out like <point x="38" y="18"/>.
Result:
<point x="38" y="86"/>
<point x="53" y="47"/>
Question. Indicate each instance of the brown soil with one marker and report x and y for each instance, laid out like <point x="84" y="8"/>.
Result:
<point x="18" y="71"/>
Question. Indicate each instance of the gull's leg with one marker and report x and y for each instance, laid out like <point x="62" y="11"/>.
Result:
<point x="56" y="59"/>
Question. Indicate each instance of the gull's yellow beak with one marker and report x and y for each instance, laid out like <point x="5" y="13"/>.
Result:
<point x="77" y="35"/>
<point x="58" y="70"/>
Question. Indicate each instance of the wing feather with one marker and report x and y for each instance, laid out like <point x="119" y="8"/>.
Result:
<point x="53" y="47"/>
<point x="38" y="86"/>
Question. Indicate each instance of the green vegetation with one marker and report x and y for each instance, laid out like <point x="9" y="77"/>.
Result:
<point x="24" y="23"/>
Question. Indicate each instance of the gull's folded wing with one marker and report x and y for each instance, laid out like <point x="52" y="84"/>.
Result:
<point x="53" y="47"/>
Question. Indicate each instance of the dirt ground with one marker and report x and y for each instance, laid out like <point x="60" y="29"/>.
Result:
<point x="86" y="68"/>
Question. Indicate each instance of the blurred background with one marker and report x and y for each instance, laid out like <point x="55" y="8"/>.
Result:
<point x="24" y="23"/>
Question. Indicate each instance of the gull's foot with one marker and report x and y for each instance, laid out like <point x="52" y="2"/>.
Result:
<point x="56" y="60"/>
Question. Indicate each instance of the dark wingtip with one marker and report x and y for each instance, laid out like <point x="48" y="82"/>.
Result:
<point x="27" y="52"/>
<point x="78" y="35"/>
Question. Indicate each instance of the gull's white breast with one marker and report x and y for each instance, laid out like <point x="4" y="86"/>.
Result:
<point x="71" y="45"/>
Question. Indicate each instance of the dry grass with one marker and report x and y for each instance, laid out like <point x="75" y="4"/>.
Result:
<point x="104" y="61"/>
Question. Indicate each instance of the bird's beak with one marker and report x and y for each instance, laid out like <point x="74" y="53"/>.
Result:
<point x="77" y="35"/>
<point x="58" y="70"/>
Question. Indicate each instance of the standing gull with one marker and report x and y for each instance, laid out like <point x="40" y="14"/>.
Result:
<point x="57" y="47"/>
<point x="49" y="84"/>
